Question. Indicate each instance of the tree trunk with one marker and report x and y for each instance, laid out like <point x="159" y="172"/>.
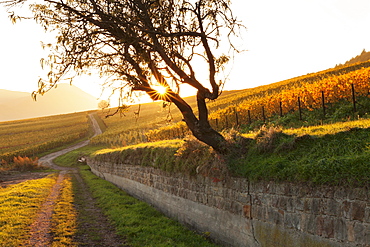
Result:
<point x="201" y="127"/>
<point x="210" y="137"/>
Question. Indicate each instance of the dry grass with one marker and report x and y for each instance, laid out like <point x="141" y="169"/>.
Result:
<point x="19" y="205"/>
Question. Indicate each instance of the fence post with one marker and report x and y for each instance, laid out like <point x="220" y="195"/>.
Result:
<point x="263" y="114"/>
<point x="281" y="108"/>
<point x="323" y="104"/>
<point x="353" y="98"/>
<point x="299" y="108"/>
<point x="236" y="117"/>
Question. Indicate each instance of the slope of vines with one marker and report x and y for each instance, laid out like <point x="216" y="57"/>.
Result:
<point x="313" y="91"/>
<point x="32" y="137"/>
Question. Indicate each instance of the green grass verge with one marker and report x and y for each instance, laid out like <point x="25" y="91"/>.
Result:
<point x="71" y="159"/>
<point x="140" y="223"/>
<point x="19" y="205"/>
<point x="137" y="221"/>
<point x="339" y="158"/>
<point x="333" y="154"/>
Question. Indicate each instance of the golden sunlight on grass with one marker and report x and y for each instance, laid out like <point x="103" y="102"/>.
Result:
<point x="19" y="205"/>
<point x="321" y="130"/>
<point x="64" y="224"/>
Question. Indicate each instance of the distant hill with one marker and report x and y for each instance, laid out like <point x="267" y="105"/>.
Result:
<point x="363" y="57"/>
<point x="60" y="100"/>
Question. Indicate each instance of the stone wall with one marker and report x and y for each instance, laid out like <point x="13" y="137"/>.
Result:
<point x="235" y="212"/>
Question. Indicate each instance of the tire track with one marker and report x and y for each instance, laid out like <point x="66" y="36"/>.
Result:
<point x="41" y="228"/>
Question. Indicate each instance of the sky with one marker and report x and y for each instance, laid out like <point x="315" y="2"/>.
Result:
<point x="284" y="39"/>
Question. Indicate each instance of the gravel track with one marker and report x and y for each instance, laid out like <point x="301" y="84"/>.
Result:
<point x="102" y="231"/>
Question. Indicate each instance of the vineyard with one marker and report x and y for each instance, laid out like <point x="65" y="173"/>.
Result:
<point x="132" y="127"/>
<point x="33" y="137"/>
<point x="319" y="93"/>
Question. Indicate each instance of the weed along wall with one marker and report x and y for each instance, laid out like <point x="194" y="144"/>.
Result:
<point x="235" y="212"/>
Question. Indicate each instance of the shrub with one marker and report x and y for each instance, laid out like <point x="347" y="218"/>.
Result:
<point x="25" y="163"/>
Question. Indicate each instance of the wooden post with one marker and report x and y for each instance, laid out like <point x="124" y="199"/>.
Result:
<point x="236" y="117"/>
<point x="281" y="108"/>
<point x="353" y="98"/>
<point x="299" y="108"/>
<point x="323" y="104"/>
<point x="249" y="117"/>
<point x="263" y="114"/>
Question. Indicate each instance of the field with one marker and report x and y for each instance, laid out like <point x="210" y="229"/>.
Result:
<point x="32" y="137"/>
<point x="328" y="96"/>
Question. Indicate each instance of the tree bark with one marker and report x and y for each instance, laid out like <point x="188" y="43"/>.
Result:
<point x="201" y="127"/>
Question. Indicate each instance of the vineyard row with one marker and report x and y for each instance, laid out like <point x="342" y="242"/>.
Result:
<point x="311" y="96"/>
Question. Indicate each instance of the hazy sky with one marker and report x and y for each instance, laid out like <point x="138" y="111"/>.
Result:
<point x="284" y="39"/>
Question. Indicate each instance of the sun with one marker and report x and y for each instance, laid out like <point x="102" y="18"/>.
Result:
<point x="161" y="90"/>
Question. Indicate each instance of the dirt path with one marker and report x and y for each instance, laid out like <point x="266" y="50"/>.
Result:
<point x="98" y="225"/>
<point x="94" y="228"/>
<point x="40" y="228"/>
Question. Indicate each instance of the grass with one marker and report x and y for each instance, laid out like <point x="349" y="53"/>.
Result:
<point x="183" y="156"/>
<point x="332" y="154"/>
<point x="64" y="224"/>
<point x="138" y="222"/>
<point x="19" y="205"/>
<point x="71" y="159"/>
<point x="336" y="154"/>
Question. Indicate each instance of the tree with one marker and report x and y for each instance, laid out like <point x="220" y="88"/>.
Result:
<point x="103" y="104"/>
<point x="141" y="44"/>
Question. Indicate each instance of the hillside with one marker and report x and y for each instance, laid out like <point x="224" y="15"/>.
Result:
<point x="243" y="108"/>
<point x="61" y="100"/>
<point x="363" y="57"/>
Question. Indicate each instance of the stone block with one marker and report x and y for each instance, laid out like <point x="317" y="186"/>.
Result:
<point x="308" y="223"/>
<point x="307" y="205"/>
<point x="290" y="205"/>
<point x="341" y="193"/>
<point x="257" y="200"/>
<point x="274" y="201"/>
<point x="358" y="194"/>
<point x="360" y="233"/>
<point x="316" y="206"/>
<point x="259" y="213"/>
<point x="292" y="221"/>
<point x="331" y="208"/>
<point x="298" y="204"/>
<point x="288" y="189"/>
<point x="243" y="198"/>
<point x="358" y="210"/>
<point x="346" y="209"/>
<point x="325" y="226"/>
<point x="247" y="211"/>
<point x="350" y="231"/>
<point x="275" y="216"/>
<point x="340" y="229"/>
<point x="282" y="202"/>
<point x="367" y="214"/>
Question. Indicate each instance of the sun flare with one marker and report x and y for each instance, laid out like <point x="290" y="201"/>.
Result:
<point x="161" y="90"/>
